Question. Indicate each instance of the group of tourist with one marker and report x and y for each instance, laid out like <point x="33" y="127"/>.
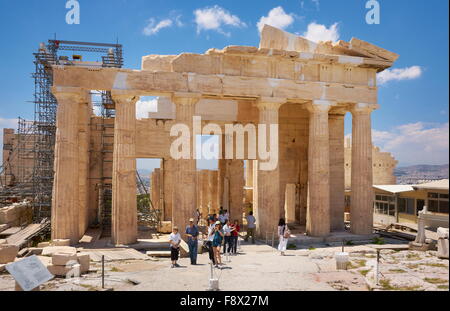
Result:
<point x="221" y="232"/>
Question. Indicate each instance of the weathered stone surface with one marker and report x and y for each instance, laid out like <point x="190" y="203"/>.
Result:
<point x="60" y="242"/>
<point x="165" y="227"/>
<point x="3" y="227"/>
<point x="60" y="271"/>
<point x="8" y="253"/>
<point x="61" y="259"/>
<point x="50" y="250"/>
<point x="84" y="260"/>
<point x="383" y="164"/>
<point x="124" y="208"/>
<point x="238" y="84"/>
<point x="16" y="214"/>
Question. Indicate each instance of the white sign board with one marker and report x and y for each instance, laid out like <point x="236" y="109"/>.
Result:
<point x="29" y="272"/>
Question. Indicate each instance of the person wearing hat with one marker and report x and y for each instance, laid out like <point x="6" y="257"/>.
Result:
<point x="192" y="235"/>
<point x="217" y="242"/>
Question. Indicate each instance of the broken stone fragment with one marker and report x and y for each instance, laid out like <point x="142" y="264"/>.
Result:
<point x="60" y="271"/>
<point x="50" y="250"/>
<point x="84" y="260"/>
<point x="62" y="259"/>
<point x="8" y="253"/>
<point x="43" y="244"/>
<point x="61" y="242"/>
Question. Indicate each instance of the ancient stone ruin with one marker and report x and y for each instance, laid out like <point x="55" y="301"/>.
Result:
<point x="304" y="87"/>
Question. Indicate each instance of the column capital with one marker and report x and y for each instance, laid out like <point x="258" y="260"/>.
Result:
<point x="320" y="106"/>
<point x="186" y="98"/>
<point x="125" y="96"/>
<point x="271" y="103"/>
<point x="338" y="112"/>
<point x="72" y="93"/>
<point x="363" y="108"/>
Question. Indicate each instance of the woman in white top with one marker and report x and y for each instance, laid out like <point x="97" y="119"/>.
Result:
<point x="283" y="233"/>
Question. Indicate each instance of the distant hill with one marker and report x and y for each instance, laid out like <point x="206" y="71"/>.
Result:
<point x="415" y="174"/>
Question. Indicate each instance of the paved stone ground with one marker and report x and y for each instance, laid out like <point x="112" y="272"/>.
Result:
<point x="260" y="267"/>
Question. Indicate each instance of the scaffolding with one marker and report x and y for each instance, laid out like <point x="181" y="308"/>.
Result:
<point x="36" y="139"/>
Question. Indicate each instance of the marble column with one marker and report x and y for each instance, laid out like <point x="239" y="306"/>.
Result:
<point x="168" y="181"/>
<point x="235" y="174"/>
<point x="65" y="198"/>
<point x="213" y="189"/>
<point x="361" y="205"/>
<point x="318" y="213"/>
<point x="266" y="185"/>
<point x="184" y="201"/>
<point x="84" y="117"/>
<point x="249" y="181"/>
<point x="124" y="205"/>
<point x="337" y="170"/>
<point x="289" y="203"/>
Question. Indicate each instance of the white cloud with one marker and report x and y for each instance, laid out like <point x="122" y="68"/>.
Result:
<point x="277" y="17"/>
<point x="317" y="32"/>
<point x="153" y="27"/>
<point x="178" y="21"/>
<point x="214" y="18"/>
<point x="416" y="143"/>
<point x="408" y="73"/>
<point x="143" y="107"/>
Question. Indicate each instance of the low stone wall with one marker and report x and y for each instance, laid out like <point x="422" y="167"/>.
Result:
<point x="16" y="214"/>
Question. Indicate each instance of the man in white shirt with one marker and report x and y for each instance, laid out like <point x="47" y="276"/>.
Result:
<point x="175" y="241"/>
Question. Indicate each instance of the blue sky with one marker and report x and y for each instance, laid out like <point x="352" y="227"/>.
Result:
<point x="413" y="118"/>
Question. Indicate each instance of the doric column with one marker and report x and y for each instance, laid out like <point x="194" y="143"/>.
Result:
<point x="318" y="213"/>
<point x="361" y="205"/>
<point x="289" y="202"/>
<point x="124" y="206"/>
<point x="213" y="189"/>
<point x="337" y="173"/>
<point x="184" y="201"/>
<point x="168" y="181"/>
<point x="235" y="175"/>
<point x="266" y="186"/>
<point x="84" y="118"/>
<point x="249" y="181"/>
<point x="65" y="198"/>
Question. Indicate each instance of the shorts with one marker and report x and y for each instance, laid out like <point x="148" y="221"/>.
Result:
<point x="174" y="253"/>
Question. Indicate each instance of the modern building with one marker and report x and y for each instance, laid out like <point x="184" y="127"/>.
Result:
<point x="402" y="203"/>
